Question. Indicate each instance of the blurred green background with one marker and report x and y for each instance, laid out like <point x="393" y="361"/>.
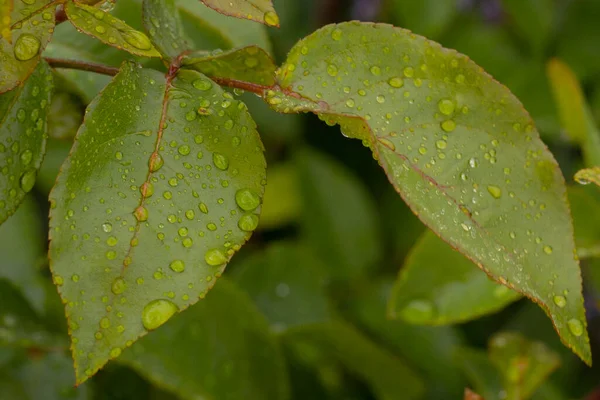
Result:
<point x="301" y="312"/>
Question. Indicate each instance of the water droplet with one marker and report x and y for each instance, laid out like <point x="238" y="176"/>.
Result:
<point x="560" y="301"/>
<point x="116" y="352"/>
<point x="248" y="222"/>
<point x="375" y="70"/>
<point x="157" y="312"/>
<point x="137" y="39"/>
<point x="449" y="125"/>
<point x="575" y="326"/>
<point x="106" y="227"/>
<point x="28" y="180"/>
<point x="396" y="82"/>
<point x="177" y="266"/>
<point x="100" y="29"/>
<point x="332" y="70"/>
<point x="220" y="161"/>
<point x="418" y="311"/>
<point x="409" y="72"/>
<point x="215" y="257"/>
<point x="251" y="62"/>
<point x="184" y="150"/>
<point x="203" y="208"/>
<point x="495" y="191"/>
<point x="202" y="84"/>
<point x="118" y="286"/>
<point x="147" y="189"/>
<point x="141" y="213"/>
<point x="271" y="18"/>
<point x="105" y="323"/>
<point x="380" y="99"/>
<point x="548" y="249"/>
<point x="156" y="162"/>
<point x="441" y="144"/>
<point x="446" y="106"/>
<point x="26" y="47"/>
<point x="336" y="34"/>
<point x="247" y="199"/>
<point x="26" y="157"/>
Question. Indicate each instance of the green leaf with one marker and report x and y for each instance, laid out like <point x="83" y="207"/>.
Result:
<point x="109" y="30"/>
<point x="249" y="64"/>
<point x="57" y="152"/>
<point x="23" y="249"/>
<point x="426" y="17"/>
<point x="65" y="116"/>
<point x="533" y="21"/>
<point x="457" y="146"/>
<point x="438" y="285"/>
<point x="219" y="349"/>
<point x="210" y="30"/>
<point x="287" y="284"/>
<point x="575" y="115"/>
<point x="584" y="200"/>
<point x="282" y="203"/>
<point x="481" y="372"/>
<point x="23" y="131"/>
<point x="255" y="10"/>
<point x="162" y="186"/>
<point x="26" y="29"/>
<point x="386" y="374"/>
<point x="339" y="218"/>
<point x="163" y="24"/>
<point x="588" y="175"/>
<point x="524" y="365"/>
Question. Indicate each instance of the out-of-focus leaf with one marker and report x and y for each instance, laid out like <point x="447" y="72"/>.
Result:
<point x="57" y="152"/>
<point x="588" y="175"/>
<point x="256" y="10"/>
<point x="26" y="29"/>
<point x="109" y="30"/>
<point x="274" y="127"/>
<point x="248" y="64"/>
<point x="209" y="30"/>
<point x="163" y="24"/>
<point x="162" y="187"/>
<point x="437" y="285"/>
<point x="23" y="248"/>
<point x="584" y="200"/>
<point x="339" y="220"/>
<point x="533" y="20"/>
<point x="19" y="324"/>
<point x="65" y="116"/>
<point x="576" y="117"/>
<point x="282" y="202"/>
<point x="461" y="151"/>
<point x="23" y="132"/>
<point x="43" y="376"/>
<point x="481" y="373"/>
<point x="523" y="364"/>
<point x="470" y="395"/>
<point x="388" y="377"/>
<point x="426" y="17"/>
<point x="219" y="349"/>
<point x="287" y="284"/>
<point x="430" y="349"/>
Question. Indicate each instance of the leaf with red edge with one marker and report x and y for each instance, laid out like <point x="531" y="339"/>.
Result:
<point x="255" y="10"/>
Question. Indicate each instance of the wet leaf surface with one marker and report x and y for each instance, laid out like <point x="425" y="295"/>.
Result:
<point x="457" y="146"/>
<point x="437" y="285"/>
<point x="163" y="185"/>
<point x="256" y="10"/>
<point x="26" y="29"/>
<point x="109" y="30"/>
<point x="588" y="175"/>
<point x="23" y="132"/>
<point x="163" y="24"/>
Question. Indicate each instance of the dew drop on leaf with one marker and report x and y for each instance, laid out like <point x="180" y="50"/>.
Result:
<point x="26" y="47"/>
<point x="247" y="199"/>
<point x="271" y="18"/>
<point x="157" y="312"/>
<point x="177" y="266"/>
<point x="137" y="39"/>
<point x="28" y="180"/>
<point x="215" y="257"/>
<point x="560" y="301"/>
<point x="248" y="222"/>
<point x="575" y="327"/>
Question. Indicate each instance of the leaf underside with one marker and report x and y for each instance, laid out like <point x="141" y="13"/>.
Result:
<point x="458" y="147"/>
<point x="162" y="186"/>
<point x="255" y="10"/>
<point x="23" y="132"/>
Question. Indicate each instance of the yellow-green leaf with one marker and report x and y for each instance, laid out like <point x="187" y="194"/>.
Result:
<point x="255" y="10"/>
<point x="109" y="30"/>
<point x="458" y="147"/>
<point x="588" y="175"/>
<point x="163" y="185"/>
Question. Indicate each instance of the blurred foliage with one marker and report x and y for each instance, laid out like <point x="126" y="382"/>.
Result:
<point x="303" y="313"/>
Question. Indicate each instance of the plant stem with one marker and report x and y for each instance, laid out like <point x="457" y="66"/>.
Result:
<point x="82" y="65"/>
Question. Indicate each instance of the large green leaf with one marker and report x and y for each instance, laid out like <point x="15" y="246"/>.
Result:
<point x="438" y="285"/>
<point x="287" y="283"/>
<point x="457" y="146"/>
<point x="23" y="132"/>
<point x="339" y="218"/>
<point x="26" y="28"/>
<point x="249" y="64"/>
<point x="162" y="186"/>
<point x="219" y="349"/>
<point x="388" y="377"/>
<point x="109" y="30"/>
<point x="256" y="10"/>
<point x="163" y="24"/>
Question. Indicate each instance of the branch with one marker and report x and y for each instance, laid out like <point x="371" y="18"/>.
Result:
<point x="82" y="65"/>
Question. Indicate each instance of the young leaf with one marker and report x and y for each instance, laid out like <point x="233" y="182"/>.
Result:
<point x="388" y="377"/>
<point x="438" y="285"/>
<point x="576" y="117"/>
<point x="163" y="24"/>
<point x="249" y="64"/>
<point x="524" y="365"/>
<point x="481" y="373"/>
<point x="457" y="146"/>
<point x="287" y="283"/>
<point x="28" y="26"/>
<point x="162" y="186"/>
<point x="470" y="395"/>
<point x="23" y="132"/>
<point x="220" y="348"/>
<point x="588" y="175"/>
<point x="109" y="30"/>
<point x="256" y="10"/>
